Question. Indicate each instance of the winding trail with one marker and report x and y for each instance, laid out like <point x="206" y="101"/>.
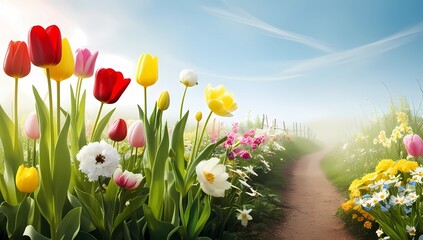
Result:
<point x="312" y="203"/>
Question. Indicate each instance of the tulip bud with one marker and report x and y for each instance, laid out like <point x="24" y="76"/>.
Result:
<point x="414" y="145"/>
<point x="27" y="179"/>
<point x="136" y="135"/>
<point x="126" y="179"/>
<point x="118" y="130"/>
<point x="188" y="77"/>
<point x="164" y="101"/>
<point x="198" y="116"/>
<point x="32" y="129"/>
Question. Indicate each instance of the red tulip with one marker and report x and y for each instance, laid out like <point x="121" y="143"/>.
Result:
<point x="16" y="63"/>
<point x="109" y="85"/>
<point x="45" y="46"/>
<point x="118" y="130"/>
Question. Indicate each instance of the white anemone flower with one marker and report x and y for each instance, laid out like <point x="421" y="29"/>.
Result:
<point x="244" y="216"/>
<point x="212" y="177"/>
<point x="98" y="159"/>
<point x="188" y="77"/>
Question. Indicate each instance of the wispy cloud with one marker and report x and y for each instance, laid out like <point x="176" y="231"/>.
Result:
<point x="247" y="18"/>
<point x="333" y="59"/>
<point x="355" y="54"/>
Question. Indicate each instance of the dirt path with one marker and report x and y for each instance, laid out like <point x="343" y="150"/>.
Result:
<point x="312" y="201"/>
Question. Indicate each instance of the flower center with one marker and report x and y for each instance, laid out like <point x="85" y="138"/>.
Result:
<point x="244" y="216"/>
<point x="209" y="177"/>
<point x="100" y="159"/>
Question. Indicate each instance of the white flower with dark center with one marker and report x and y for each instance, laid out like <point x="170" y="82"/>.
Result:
<point x="212" y="177"/>
<point x="244" y="216"/>
<point x="98" y="159"/>
<point x="411" y="230"/>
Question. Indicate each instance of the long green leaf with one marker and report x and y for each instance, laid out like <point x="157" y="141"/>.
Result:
<point x="157" y="186"/>
<point x="24" y="216"/>
<point x="10" y="212"/>
<point x="45" y="191"/>
<point x="33" y="234"/>
<point x="102" y="125"/>
<point x="135" y="204"/>
<point x="92" y="205"/>
<point x="12" y="159"/>
<point x="61" y="170"/>
<point x="178" y="148"/>
<point x="157" y="228"/>
<point x="86" y="224"/>
<point x="69" y="227"/>
<point x="205" y="214"/>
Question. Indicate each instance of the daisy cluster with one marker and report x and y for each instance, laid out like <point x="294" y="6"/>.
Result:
<point x="392" y="194"/>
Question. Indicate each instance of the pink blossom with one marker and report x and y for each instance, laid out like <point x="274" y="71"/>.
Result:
<point x="85" y="63"/>
<point x="32" y="130"/>
<point x="126" y="179"/>
<point x="414" y="145"/>
<point x="136" y="135"/>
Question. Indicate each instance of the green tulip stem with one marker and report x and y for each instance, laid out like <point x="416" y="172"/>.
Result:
<point x="50" y="103"/>
<point x="202" y="133"/>
<point x="58" y="107"/>
<point x="96" y="121"/>
<point x="78" y="89"/>
<point x="145" y="104"/>
<point x="15" y="112"/>
<point x="182" y="102"/>
<point x="34" y="149"/>
<point x="195" y="143"/>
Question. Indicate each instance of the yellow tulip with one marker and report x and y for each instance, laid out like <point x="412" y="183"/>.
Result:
<point x="220" y="101"/>
<point x="66" y="66"/>
<point x="147" y="70"/>
<point x="164" y="101"/>
<point x="27" y="179"/>
<point x="198" y="116"/>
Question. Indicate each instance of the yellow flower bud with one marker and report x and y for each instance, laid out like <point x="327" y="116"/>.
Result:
<point x="66" y="66"/>
<point x="147" y="70"/>
<point x="27" y="179"/>
<point x="198" y="116"/>
<point x="164" y="101"/>
<point x="219" y="101"/>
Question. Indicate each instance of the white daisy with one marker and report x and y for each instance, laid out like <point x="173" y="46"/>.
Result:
<point x="98" y="159"/>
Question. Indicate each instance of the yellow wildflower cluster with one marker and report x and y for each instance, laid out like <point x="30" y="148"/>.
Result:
<point x="358" y="214"/>
<point x="360" y="138"/>
<point x="397" y="133"/>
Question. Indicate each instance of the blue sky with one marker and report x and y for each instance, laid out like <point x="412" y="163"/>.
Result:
<point x="292" y="60"/>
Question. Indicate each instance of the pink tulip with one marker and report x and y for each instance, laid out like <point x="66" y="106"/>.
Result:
<point x="118" y="130"/>
<point x="85" y="63"/>
<point x="414" y="145"/>
<point x="126" y="179"/>
<point x="32" y="129"/>
<point x="136" y="135"/>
